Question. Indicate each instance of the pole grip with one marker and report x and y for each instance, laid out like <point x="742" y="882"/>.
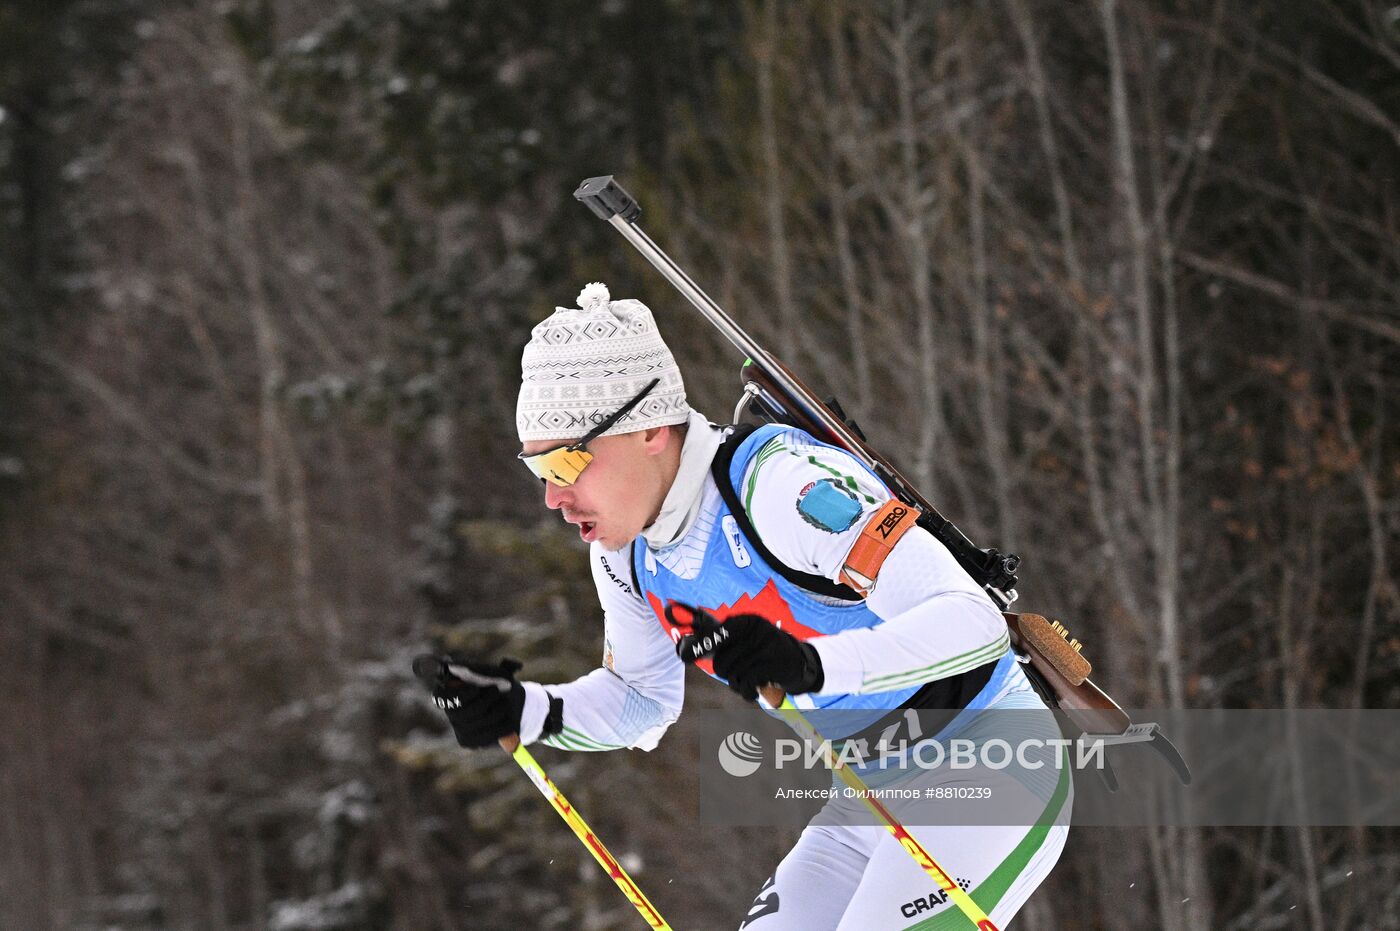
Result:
<point x="606" y="198"/>
<point x="772" y="694"/>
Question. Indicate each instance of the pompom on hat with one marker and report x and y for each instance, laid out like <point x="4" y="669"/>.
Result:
<point x="583" y="364"/>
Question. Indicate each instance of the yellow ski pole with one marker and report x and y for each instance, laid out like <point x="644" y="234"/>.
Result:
<point x="430" y="669"/>
<point x="794" y="716"/>
<point x="583" y="832"/>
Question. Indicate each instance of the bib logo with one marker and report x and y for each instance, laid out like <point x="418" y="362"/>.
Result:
<point x="735" y="538"/>
<point x="740" y="754"/>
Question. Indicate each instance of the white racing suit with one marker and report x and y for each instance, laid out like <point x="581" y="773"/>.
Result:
<point x="924" y="636"/>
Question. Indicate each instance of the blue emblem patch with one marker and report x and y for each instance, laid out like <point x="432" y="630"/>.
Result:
<point x="827" y="506"/>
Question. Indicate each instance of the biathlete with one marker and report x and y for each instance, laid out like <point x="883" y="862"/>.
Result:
<point x="769" y="531"/>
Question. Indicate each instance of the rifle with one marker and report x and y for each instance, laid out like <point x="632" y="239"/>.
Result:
<point x="1051" y="660"/>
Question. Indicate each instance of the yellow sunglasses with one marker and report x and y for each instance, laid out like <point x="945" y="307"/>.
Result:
<point x="562" y="465"/>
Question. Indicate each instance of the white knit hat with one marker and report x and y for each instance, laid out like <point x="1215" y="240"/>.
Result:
<point x="582" y="365"/>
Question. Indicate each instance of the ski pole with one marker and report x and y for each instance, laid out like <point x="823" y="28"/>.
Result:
<point x="791" y="714"/>
<point x="583" y="832"/>
<point x="429" y="668"/>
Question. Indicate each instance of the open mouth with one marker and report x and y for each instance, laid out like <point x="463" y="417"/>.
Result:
<point x="587" y="530"/>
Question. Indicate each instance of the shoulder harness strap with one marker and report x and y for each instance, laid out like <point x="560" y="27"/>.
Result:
<point x="632" y="566"/>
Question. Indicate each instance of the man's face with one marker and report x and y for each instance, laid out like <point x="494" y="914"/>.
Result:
<point x="619" y="492"/>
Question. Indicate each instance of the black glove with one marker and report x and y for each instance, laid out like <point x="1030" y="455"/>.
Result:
<point x="482" y="700"/>
<point x="749" y="652"/>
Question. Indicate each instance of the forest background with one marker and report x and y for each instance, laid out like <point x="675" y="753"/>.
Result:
<point x="1116" y="283"/>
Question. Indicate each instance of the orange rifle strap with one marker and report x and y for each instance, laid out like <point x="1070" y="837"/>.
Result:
<point x="884" y="529"/>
